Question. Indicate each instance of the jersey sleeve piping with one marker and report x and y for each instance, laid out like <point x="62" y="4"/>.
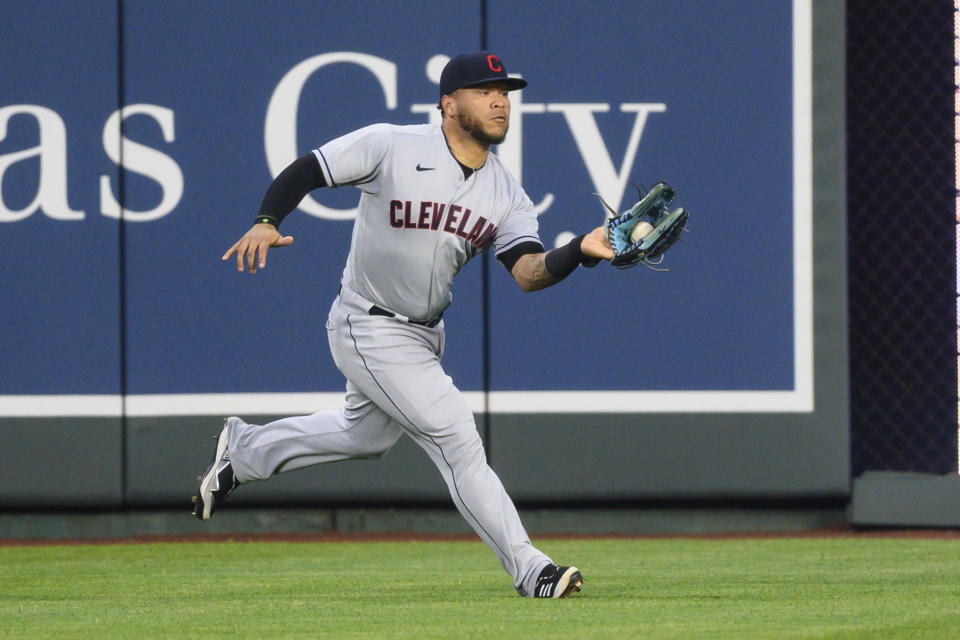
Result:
<point x="325" y="169"/>
<point x="516" y="240"/>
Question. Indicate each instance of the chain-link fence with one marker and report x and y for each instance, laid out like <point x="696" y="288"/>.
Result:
<point x="901" y="236"/>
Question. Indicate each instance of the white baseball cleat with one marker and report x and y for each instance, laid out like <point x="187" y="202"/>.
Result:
<point x="217" y="481"/>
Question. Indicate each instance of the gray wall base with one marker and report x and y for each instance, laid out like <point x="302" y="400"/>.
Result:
<point x="900" y="499"/>
<point x="629" y="521"/>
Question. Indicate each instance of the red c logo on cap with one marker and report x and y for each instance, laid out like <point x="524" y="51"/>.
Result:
<point x="494" y="63"/>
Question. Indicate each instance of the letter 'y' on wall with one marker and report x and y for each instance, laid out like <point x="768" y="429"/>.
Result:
<point x="52" y="150"/>
<point x="608" y="182"/>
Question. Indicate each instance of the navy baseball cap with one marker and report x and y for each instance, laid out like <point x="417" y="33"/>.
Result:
<point x="473" y="68"/>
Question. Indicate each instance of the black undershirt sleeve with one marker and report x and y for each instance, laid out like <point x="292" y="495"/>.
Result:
<point x="289" y="188"/>
<point x="509" y="257"/>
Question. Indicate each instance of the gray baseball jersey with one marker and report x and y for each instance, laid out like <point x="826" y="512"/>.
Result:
<point x="419" y="221"/>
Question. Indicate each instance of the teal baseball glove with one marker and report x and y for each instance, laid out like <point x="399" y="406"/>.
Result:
<point x="642" y="233"/>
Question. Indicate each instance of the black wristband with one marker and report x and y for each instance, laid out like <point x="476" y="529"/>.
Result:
<point x="268" y="220"/>
<point x="561" y="262"/>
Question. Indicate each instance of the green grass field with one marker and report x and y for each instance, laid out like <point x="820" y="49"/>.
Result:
<point x="643" y="588"/>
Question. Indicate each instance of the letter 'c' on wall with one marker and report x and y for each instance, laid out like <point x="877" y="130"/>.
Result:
<point x="280" y="127"/>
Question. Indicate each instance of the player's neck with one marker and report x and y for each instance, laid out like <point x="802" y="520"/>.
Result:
<point x="465" y="149"/>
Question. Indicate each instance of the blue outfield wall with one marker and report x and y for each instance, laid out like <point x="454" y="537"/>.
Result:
<point x="61" y="281"/>
<point x="139" y="323"/>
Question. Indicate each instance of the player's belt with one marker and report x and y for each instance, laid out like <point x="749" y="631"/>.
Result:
<point x="380" y="311"/>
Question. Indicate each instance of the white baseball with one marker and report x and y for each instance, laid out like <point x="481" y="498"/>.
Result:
<point x="640" y="231"/>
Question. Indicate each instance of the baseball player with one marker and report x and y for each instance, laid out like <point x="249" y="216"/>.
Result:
<point x="431" y="198"/>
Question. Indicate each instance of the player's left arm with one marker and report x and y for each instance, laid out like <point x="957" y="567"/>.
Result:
<point x="538" y="270"/>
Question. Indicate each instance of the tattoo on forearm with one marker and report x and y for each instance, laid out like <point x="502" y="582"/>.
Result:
<point x="532" y="273"/>
<point x="538" y="270"/>
<point x="539" y="276"/>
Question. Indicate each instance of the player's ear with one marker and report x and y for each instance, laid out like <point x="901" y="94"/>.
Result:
<point x="447" y="105"/>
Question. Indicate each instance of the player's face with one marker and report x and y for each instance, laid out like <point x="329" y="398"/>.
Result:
<point x="483" y="111"/>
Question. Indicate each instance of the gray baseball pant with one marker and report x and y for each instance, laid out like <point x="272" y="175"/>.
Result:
<point x="395" y="386"/>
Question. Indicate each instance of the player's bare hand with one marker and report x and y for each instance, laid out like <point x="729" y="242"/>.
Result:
<point x="252" y="248"/>
<point x="596" y="245"/>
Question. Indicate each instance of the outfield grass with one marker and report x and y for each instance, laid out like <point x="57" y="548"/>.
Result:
<point x="678" y="588"/>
